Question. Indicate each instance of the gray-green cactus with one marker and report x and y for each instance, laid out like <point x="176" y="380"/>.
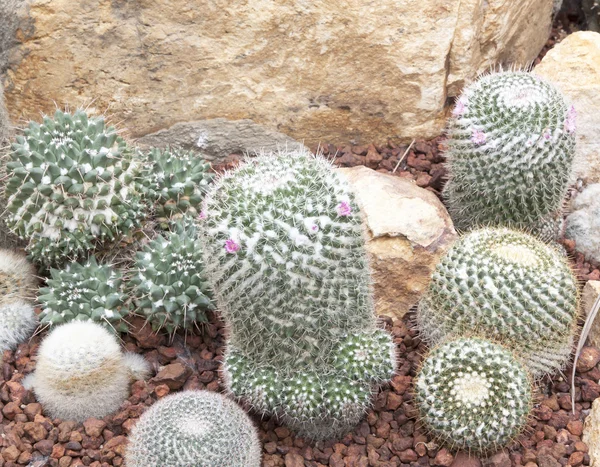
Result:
<point x="511" y="142"/>
<point x="199" y="428"/>
<point x="507" y="285"/>
<point x="70" y="187"/>
<point x="474" y="395"/>
<point x="285" y="254"/>
<point x="84" y="292"/>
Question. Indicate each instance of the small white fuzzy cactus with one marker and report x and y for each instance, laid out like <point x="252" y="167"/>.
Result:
<point x="18" y="279"/>
<point x="17" y="323"/>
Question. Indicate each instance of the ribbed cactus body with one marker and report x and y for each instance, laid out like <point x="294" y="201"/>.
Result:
<point x="473" y="395"/>
<point x="194" y="428"/>
<point x="507" y="285"/>
<point x="511" y="143"/>
<point x="70" y="187"/>
<point x="17" y="323"/>
<point x="285" y="254"/>
<point x="18" y="279"/>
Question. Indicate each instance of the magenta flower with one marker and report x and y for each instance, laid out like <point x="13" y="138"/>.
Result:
<point x="344" y="209"/>
<point x="459" y="108"/>
<point x="547" y="135"/>
<point x="314" y="228"/>
<point x="478" y="137"/>
<point x="231" y="246"/>
<point x="571" y="121"/>
<point x="202" y="215"/>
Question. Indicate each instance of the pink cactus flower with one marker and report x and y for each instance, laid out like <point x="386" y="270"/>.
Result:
<point x="344" y="209"/>
<point x="459" y="108"/>
<point x="478" y="137"/>
<point x="231" y="246"/>
<point x="314" y="228"/>
<point x="202" y="215"/>
<point x="571" y="120"/>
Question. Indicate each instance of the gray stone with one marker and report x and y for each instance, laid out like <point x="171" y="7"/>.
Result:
<point x="583" y="224"/>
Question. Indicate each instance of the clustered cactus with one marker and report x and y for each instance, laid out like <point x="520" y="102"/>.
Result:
<point x="198" y="428"/>
<point x="17" y="323"/>
<point x="18" y="279"/>
<point x="511" y="142"/>
<point x="284" y="252"/>
<point x="85" y="292"/>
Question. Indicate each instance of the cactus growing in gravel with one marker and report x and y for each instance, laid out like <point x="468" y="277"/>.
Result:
<point x="175" y="181"/>
<point x="70" y="187"/>
<point x="198" y="428"/>
<point x="285" y="254"/>
<point x="18" y="279"/>
<point x="169" y="286"/>
<point x="85" y="292"/>
<point x="511" y="142"/>
<point x="507" y="285"/>
<point x="17" y="323"/>
<point x="473" y="395"/>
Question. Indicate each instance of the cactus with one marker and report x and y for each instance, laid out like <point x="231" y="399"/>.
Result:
<point x="199" y="428"/>
<point x="85" y="292"/>
<point x="473" y="394"/>
<point x="285" y="254"/>
<point x="17" y="323"/>
<point x="168" y="281"/>
<point x="81" y="372"/>
<point x="18" y="279"/>
<point x="509" y="286"/>
<point x="175" y="181"/>
<point x="511" y="142"/>
<point x="70" y="187"/>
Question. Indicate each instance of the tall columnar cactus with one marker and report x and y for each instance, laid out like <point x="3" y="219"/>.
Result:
<point x="17" y="323"/>
<point x="169" y="285"/>
<point x="198" y="428"/>
<point x="18" y="279"/>
<point x="85" y="292"/>
<point x="473" y="395"/>
<point x="511" y="142"/>
<point x="175" y="181"/>
<point x="285" y="254"/>
<point x="507" y="285"/>
<point x="70" y="187"/>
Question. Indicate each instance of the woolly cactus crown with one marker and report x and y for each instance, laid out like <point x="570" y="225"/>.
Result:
<point x="198" y="428"/>
<point x="473" y="394"/>
<point x="511" y="143"/>
<point x="18" y="279"/>
<point x="507" y="285"/>
<point x="17" y="323"/>
<point x="70" y="186"/>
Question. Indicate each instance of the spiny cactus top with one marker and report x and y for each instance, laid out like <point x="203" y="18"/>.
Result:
<point x="17" y="323"/>
<point x="70" y="186"/>
<point x="175" y="181"/>
<point x="18" y="279"/>
<point x="84" y="292"/>
<point x="473" y="395"/>
<point x="511" y="143"/>
<point x="507" y="285"/>
<point x="194" y="428"/>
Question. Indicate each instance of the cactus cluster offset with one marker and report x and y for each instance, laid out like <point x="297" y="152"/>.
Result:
<point x="473" y="394"/>
<point x="511" y="142"/>
<point x="175" y="181"/>
<point x="285" y="254"/>
<point x="198" y="428"/>
<point x="70" y="187"/>
<point x="18" y="280"/>
<point x="509" y="286"/>
<point x="17" y="323"/>
<point x="84" y="292"/>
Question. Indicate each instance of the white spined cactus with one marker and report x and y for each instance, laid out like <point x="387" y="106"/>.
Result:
<point x="194" y="428"/>
<point x="17" y="323"/>
<point x="18" y="279"/>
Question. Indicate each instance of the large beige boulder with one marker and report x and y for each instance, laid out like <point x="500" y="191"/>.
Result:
<point x="574" y="67"/>
<point x="591" y="433"/>
<point x="316" y="71"/>
<point x="590" y="293"/>
<point x="408" y="231"/>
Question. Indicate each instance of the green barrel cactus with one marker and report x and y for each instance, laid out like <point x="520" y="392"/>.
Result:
<point x="168" y="282"/>
<point x="473" y="394"/>
<point x="199" y="428"/>
<point x="509" y="286"/>
<point x="511" y="144"/>
<point x="70" y="187"/>
<point x="175" y="181"/>
<point x="285" y="254"/>
<point x="84" y="292"/>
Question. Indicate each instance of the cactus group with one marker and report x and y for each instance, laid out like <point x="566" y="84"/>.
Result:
<point x="511" y="141"/>
<point x="473" y="395"/>
<point x="285" y="255"/>
<point x="198" y="428"/>
<point x="17" y="323"/>
<point x="70" y="187"/>
<point x="509" y="286"/>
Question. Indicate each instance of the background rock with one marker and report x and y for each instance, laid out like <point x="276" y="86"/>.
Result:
<point x="317" y="71"/>
<point x="408" y="230"/>
<point x="583" y="223"/>
<point x="591" y="433"/>
<point x="574" y="67"/>
<point x="591" y="290"/>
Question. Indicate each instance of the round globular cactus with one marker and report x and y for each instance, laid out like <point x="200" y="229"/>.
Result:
<point x="169" y="286"/>
<point x="17" y="323"/>
<point x="175" y="181"/>
<point x="85" y="292"/>
<point x="199" y="428"/>
<point x="70" y="187"/>
<point x="285" y="254"/>
<point x="511" y="144"/>
<point x="18" y="279"/>
<point x="509" y="286"/>
<point x="473" y="394"/>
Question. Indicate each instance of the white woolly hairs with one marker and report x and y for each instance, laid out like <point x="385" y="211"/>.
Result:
<point x="17" y="323"/>
<point x="81" y="372"/>
<point x="17" y="277"/>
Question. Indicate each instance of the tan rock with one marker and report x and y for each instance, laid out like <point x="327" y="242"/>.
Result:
<point x="317" y="71"/>
<point x="574" y="67"/>
<point x="590" y="293"/>
<point x="591" y="433"/>
<point x="408" y="231"/>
